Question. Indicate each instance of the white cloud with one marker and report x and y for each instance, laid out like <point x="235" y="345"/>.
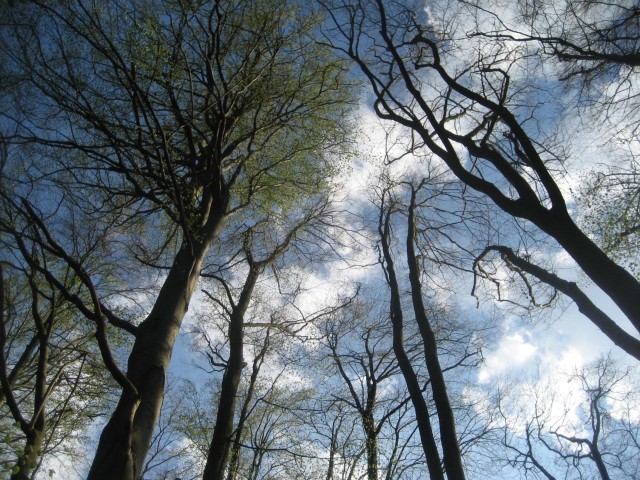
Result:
<point x="513" y="350"/>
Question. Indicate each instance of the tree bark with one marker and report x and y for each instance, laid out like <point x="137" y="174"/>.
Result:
<point x="234" y="459"/>
<point x="597" y="458"/>
<point x="452" y="457"/>
<point x="125" y="440"/>
<point x="333" y="448"/>
<point x="614" y="280"/>
<point x="31" y="453"/>
<point x="419" y="404"/>
<point x="218" y="456"/>
<point x="28" y="460"/>
<point x="371" y="445"/>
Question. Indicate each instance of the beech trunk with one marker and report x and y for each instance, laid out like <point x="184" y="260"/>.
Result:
<point x="420" y="407"/>
<point x="452" y="458"/>
<point x="222" y="433"/>
<point x="125" y="440"/>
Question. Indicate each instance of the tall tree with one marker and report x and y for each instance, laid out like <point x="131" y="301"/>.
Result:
<point x="256" y="262"/>
<point x="172" y="117"/>
<point x="446" y="431"/>
<point x="50" y="382"/>
<point x="40" y="377"/>
<point x="363" y="357"/>
<point x="420" y="405"/>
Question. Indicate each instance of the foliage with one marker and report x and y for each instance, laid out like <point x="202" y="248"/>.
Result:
<point x="153" y="148"/>
<point x="611" y="210"/>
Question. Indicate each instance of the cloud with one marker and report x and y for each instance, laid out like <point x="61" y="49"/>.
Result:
<point x="512" y="351"/>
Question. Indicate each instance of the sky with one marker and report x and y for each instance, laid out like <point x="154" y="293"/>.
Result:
<point x="534" y="350"/>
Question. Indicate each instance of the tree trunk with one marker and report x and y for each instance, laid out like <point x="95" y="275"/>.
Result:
<point x="415" y="392"/>
<point x="452" y="458"/>
<point x="597" y="458"/>
<point x="31" y="453"/>
<point x="371" y="446"/>
<point x="34" y="432"/>
<point x="615" y="281"/>
<point x="218" y="456"/>
<point x="29" y="458"/>
<point x="332" y="455"/>
<point x="125" y="440"/>
<point x="234" y="460"/>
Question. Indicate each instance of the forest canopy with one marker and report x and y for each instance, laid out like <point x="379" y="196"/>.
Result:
<point x="340" y="239"/>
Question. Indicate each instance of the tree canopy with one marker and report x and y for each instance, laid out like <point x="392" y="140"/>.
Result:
<point x="331" y="239"/>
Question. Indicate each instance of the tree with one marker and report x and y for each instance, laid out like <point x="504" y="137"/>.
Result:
<point x="51" y="383"/>
<point x="589" y="433"/>
<point x="270" y="437"/>
<point x="39" y="380"/>
<point x="336" y="430"/>
<point x="424" y="322"/>
<point x="593" y="49"/>
<point x="170" y="454"/>
<point x="415" y="391"/>
<point x="365" y="365"/>
<point x="236" y="441"/>
<point x="173" y="117"/>
<point x="257" y="262"/>
<point x="467" y="115"/>
<point x="609" y="203"/>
